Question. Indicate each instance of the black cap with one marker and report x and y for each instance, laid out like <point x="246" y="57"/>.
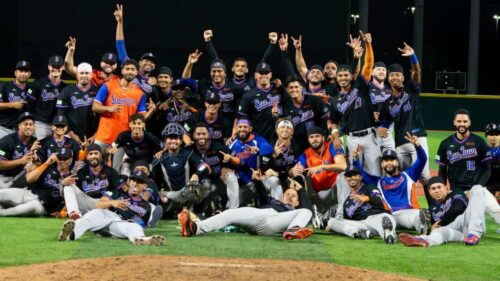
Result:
<point x="140" y="163"/>
<point x="109" y="58"/>
<point x="24" y="65"/>
<point x="492" y="129"/>
<point x="344" y="67"/>
<point x="26" y="115"/>
<point x="434" y="180"/>
<point x="211" y="96"/>
<point x="379" y="64"/>
<point x="149" y="56"/>
<point x="352" y="170"/>
<point x="316" y="66"/>
<point x="139" y="176"/>
<point x="395" y="68"/>
<point x="218" y="63"/>
<point x="389" y="153"/>
<point x="94" y="147"/>
<point x="60" y="120"/>
<point x="130" y="61"/>
<point x="56" y="61"/>
<point x="177" y="84"/>
<point x="263" y="67"/>
<point x="64" y="153"/>
<point x="314" y="130"/>
<point x="165" y="70"/>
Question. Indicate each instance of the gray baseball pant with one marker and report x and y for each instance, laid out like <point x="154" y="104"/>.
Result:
<point x="350" y="227"/>
<point x="256" y="221"/>
<point x="19" y="202"/>
<point x="77" y="200"/>
<point x="408" y="154"/>
<point x="370" y="157"/>
<point x="232" y="190"/>
<point x="408" y="218"/>
<point x="108" y="222"/>
<point x="5" y="131"/>
<point x="387" y="142"/>
<point x="470" y="222"/>
<point x="42" y="130"/>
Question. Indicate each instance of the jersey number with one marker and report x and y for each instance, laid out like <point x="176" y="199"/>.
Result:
<point x="357" y="104"/>
<point x="471" y="165"/>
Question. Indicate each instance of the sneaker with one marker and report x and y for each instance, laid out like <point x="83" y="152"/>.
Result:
<point x="188" y="227"/>
<point x="155" y="216"/>
<point x="75" y="215"/>
<point x="425" y="221"/>
<point x="364" y="234"/>
<point x="317" y="220"/>
<point x="472" y="240"/>
<point x="388" y="231"/>
<point x="297" y="233"/>
<point x="412" y="241"/>
<point x="67" y="231"/>
<point x="155" y="240"/>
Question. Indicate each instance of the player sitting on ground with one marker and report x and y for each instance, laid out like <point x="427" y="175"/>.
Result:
<point x="365" y="212"/>
<point x="454" y="219"/>
<point x="398" y="187"/>
<point x="288" y="217"/>
<point x="120" y="215"/>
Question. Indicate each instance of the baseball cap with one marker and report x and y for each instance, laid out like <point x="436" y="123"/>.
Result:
<point x="344" y="67"/>
<point x="314" y="130"/>
<point x="140" y="163"/>
<point x="109" y="58"/>
<point x="25" y="115"/>
<point x="149" y="56"/>
<point x="263" y="67"/>
<point x="165" y="70"/>
<point x="316" y="66"/>
<point x="389" y="153"/>
<point x="435" y="180"/>
<point x="56" y="61"/>
<point x="139" y="176"/>
<point x="23" y="65"/>
<point x="177" y="84"/>
<point x="94" y="147"/>
<point x="379" y="64"/>
<point x="492" y="129"/>
<point x="218" y="63"/>
<point x="211" y="96"/>
<point x="64" y="153"/>
<point x="352" y="170"/>
<point x="60" y="120"/>
<point x="84" y="67"/>
<point x="395" y="68"/>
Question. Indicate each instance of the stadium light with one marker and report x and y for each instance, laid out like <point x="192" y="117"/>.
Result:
<point x="355" y="17"/>
<point x="496" y="18"/>
<point x="413" y="9"/>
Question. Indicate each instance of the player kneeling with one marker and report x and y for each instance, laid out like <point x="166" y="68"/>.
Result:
<point x="288" y="216"/>
<point x="120" y="215"/>
<point x="453" y="218"/>
<point x="365" y="212"/>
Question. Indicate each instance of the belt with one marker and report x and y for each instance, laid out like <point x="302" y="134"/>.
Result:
<point x="361" y="133"/>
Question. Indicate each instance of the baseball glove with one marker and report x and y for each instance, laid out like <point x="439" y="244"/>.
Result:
<point x="192" y="193"/>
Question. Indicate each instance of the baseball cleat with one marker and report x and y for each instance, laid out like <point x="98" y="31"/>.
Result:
<point x="472" y="240"/>
<point x="155" y="216"/>
<point x="317" y="220"/>
<point x="67" y="230"/>
<point x="425" y="221"/>
<point x="364" y="234"/>
<point x="412" y="241"/>
<point x="188" y="227"/>
<point x="155" y="240"/>
<point x="297" y="233"/>
<point x="388" y="231"/>
<point x="75" y="215"/>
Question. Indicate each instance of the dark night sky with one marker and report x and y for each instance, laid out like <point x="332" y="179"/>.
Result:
<point x="37" y="29"/>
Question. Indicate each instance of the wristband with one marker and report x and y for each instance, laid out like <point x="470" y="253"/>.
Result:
<point x="42" y="168"/>
<point x="335" y="131"/>
<point x="414" y="59"/>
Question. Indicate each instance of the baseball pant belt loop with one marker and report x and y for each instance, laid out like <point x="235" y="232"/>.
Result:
<point x="361" y="133"/>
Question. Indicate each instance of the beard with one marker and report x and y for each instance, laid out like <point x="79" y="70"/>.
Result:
<point x="390" y="171"/>
<point x="243" y="136"/>
<point x="465" y="129"/>
<point x="94" y="163"/>
<point x="316" y="145"/>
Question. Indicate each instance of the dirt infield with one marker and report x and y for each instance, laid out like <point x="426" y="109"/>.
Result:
<point x="190" y="268"/>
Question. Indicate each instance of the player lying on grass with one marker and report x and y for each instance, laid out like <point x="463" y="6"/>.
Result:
<point x="288" y="216"/>
<point x="454" y="217"/>
<point x="117" y="214"/>
<point x="365" y="212"/>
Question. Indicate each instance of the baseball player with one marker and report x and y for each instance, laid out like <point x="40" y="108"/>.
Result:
<point x="120" y="215"/>
<point x="365" y="212"/>
<point x="492" y="133"/>
<point x="89" y="184"/>
<point x="398" y="187"/>
<point x="42" y="102"/>
<point x="13" y="98"/>
<point x="108" y="65"/>
<point x="454" y="217"/>
<point x="75" y="103"/>
<point x="464" y="159"/>
<point x="288" y="216"/>
<point x="58" y="139"/>
<point x="405" y="107"/>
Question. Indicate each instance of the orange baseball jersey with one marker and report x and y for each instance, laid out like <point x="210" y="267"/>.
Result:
<point x="323" y="179"/>
<point x="97" y="80"/>
<point x="111" y="124"/>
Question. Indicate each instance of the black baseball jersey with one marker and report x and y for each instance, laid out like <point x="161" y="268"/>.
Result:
<point x="310" y="113"/>
<point x="161" y="95"/>
<point x="353" y="111"/>
<point x="76" y="105"/>
<point x="138" y="210"/>
<point x="11" y="92"/>
<point x="360" y="211"/>
<point x="283" y="162"/>
<point x="153" y="190"/>
<point x="494" y="180"/>
<point x="144" y="149"/>
<point x="257" y="106"/>
<point x="453" y="205"/>
<point x="48" y="189"/>
<point x="241" y="87"/>
<point x="378" y="96"/>
<point x="50" y="145"/>
<point x="95" y="185"/>
<point x="176" y="169"/>
<point x="325" y="88"/>
<point x="12" y="148"/>
<point x="218" y="130"/>
<point x="174" y="114"/>
<point x="42" y="101"/>
<point x="462" y="159"/>
<point x="406" y="111"/>
<point x="214" y="159"/>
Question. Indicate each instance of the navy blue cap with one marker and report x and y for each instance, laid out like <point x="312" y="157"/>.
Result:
<point x="149" y="56"/>
<point x="165" y="70"/>
<point x="139" y="176"/>
<point x="263" y="67"/>
<point x="109" y="58"/>
<point x="94" y="147"/>
<point x="177" y="84"/>
<point x="352" y="170"/>
<point x="60" y="120"/>
<point x="395" y="68"/>
<point x="25" y="115"/>
<point x="379" y="64"/>
<point x="64" y="153"/>
<point x="56" y="61"/>
<point x="211" y="96"/>
<point x="24" y="65"/>
<point x="389" y="153"/>
<point x="218" y="63"/>
<point x="314" y="130"/>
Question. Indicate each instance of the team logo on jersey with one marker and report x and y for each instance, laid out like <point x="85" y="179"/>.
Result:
<point x="174" y="164"/>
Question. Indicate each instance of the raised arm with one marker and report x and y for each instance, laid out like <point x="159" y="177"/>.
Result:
<point x="69" y="63"/>
<point x="285" y="60"/>
<point x="299" y="57"/>
<point x="34" y="175"/>
<point x="273" y="38"/>
<point x="192" y="59"/>
<point x="357" y="50"/>
<point x="207" y="36"/>
<point x="120" y="36"/>
<point x="408" y="51"/>
<point x="369" y="59"/>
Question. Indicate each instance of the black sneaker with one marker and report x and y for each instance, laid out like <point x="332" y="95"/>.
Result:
<point x="425" y="221"/>
<point x="388" y="232"/>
